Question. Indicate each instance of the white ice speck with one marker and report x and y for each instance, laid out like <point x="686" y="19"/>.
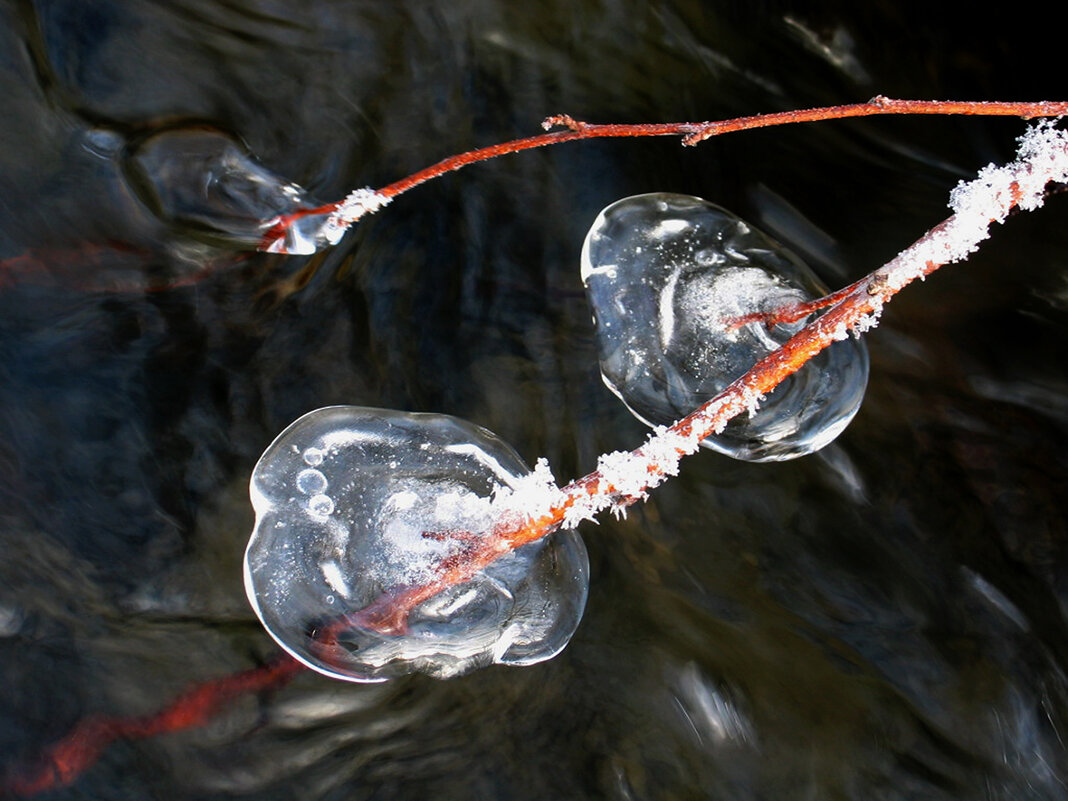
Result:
<point x="332" y="574"/>
<point x="403" y="501"/>
<point x="666" y="228"/>
<point x="667" y="310"/>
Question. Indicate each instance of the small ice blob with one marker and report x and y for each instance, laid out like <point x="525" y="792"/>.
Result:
<point x="204" y="182"/>
<point x="354" y="503"/>
<point x="665" y="273"/>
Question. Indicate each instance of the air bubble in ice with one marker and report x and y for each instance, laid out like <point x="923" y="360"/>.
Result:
<point x="664" y="273"/>
<point x="400" y="496"/>
<point x="311" y="482"/>
<point x="321" y="505"/>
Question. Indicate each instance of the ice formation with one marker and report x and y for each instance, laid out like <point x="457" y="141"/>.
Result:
<point x="666" y="275"/>
<point x="205" y="182"/>
<point x="354" y="503"/>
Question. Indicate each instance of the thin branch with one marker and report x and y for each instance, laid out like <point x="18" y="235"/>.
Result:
<point x="343" y="213"/>
<point x="791" y="312"/>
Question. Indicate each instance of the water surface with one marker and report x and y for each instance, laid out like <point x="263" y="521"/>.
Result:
<point x="886" y="620"/>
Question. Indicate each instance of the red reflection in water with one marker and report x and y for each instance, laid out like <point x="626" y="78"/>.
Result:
<point x="62" y="763"/>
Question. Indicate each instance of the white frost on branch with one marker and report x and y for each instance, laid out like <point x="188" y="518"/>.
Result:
<point x="358" y="203"/>
<point x="532" y="496"/>
<point x="1042" y="158"/>
<point x="306" y="231"/>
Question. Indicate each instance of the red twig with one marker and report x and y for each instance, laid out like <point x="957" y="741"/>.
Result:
<point x="692" y="133"/>
<point x="792" y="312"/>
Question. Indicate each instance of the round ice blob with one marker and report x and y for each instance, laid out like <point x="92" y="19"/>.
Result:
<point x="392" y="500"/>
<point x="664" y="274"/>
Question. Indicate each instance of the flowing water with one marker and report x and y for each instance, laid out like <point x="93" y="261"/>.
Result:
<point x="886" y="619"/>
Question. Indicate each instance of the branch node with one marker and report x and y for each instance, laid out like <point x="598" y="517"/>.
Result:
<point x="563" y="121"/>
<point x="877" y="284"/>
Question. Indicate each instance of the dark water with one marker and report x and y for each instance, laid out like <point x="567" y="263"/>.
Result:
<point x="886" y="620"/>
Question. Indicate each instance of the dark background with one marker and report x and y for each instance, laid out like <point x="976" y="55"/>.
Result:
<point x="885" y="620"/>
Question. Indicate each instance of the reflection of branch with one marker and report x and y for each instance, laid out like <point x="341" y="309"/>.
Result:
<point x="67" y="759"/>
<point x="343" y="213"/>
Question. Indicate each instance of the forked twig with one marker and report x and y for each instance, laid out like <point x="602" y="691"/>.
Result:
<point x="622" y="478"/>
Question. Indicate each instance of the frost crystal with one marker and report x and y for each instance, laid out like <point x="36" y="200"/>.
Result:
<point x="533" y="495"/>
<point x="1042" y="158"/>
<point x="358" y="203"/>
<point x="628" y="474"/>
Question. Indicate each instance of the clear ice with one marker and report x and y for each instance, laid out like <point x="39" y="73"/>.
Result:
<point x="664" y="272"/>
<point x="205" y="182"/>
<point x="352" y="503"/>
